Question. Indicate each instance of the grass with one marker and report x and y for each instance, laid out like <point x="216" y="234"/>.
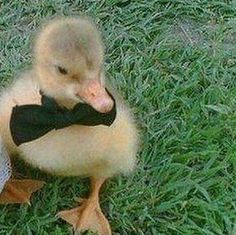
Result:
<point x="174" y="61"/>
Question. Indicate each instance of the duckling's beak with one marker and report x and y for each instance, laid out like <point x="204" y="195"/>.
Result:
<point x="93" y="93"/>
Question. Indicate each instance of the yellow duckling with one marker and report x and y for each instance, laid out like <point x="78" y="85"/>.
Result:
<point x="68" y="67"/>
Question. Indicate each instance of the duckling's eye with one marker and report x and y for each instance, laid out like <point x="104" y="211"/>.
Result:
<point x="62" y="70"/>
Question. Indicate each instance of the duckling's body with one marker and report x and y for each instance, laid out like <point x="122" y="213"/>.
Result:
<point x="68" y="67"/>
<point x="76" y="150"/>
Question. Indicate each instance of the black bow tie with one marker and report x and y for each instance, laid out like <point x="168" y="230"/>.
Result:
<point x="29" y="122"/>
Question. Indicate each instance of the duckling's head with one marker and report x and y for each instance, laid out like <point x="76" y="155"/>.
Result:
<point x="69" y="63"/>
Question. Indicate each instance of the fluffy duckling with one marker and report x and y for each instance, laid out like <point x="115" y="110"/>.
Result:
<point x="68" y="67"/>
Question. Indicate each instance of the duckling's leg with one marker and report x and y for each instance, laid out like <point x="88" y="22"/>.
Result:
<point x="19" y="191"/>
<point x="88" y="216"/>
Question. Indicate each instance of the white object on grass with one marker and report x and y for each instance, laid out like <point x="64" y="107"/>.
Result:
<point x="5" y="166"/>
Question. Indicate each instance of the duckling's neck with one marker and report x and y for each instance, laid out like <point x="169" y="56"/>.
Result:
<point x="65" y="102"/>
<point x="62" y="101"/>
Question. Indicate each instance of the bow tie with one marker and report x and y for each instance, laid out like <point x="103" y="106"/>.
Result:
<point x="29" y="122"/>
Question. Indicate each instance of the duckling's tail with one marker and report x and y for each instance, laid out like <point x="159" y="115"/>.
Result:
<point x="5" y="165"/>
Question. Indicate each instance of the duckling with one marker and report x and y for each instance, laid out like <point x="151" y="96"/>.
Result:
<point x="68" y="68"/>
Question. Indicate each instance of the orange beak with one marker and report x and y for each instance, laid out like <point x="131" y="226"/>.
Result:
<point x="94" y="94"/>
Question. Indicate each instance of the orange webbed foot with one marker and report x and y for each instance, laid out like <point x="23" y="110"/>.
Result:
<point x="19" y="191"/>
<point x="88" y="216"/>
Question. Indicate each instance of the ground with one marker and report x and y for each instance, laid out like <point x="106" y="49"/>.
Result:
<point x="174" y="62"/>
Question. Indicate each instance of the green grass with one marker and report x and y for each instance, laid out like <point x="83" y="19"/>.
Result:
<point x="175" y="63"/>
